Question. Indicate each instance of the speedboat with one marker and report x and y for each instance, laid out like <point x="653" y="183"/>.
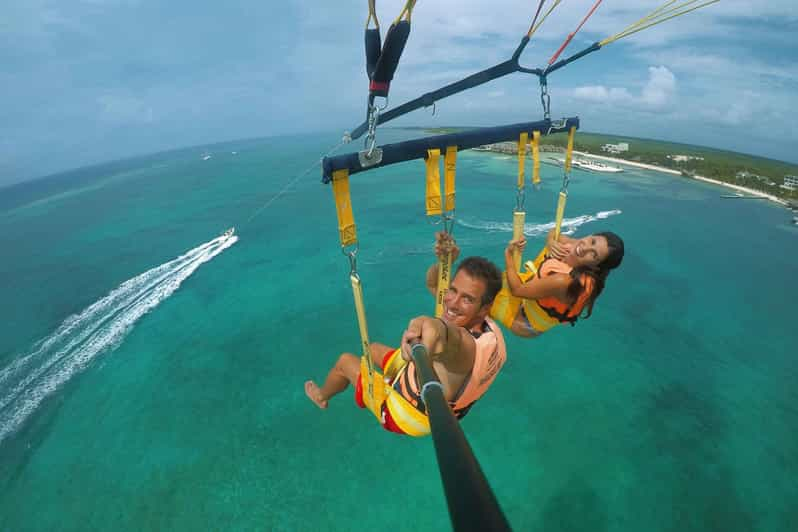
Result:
<point x="206" y="156"/>
<point x="596" y="166"/>
<point x="229" y="232"/>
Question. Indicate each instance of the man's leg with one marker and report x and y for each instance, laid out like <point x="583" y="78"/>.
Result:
<point x="345" y="372"/>
<point x="378" y="352"/>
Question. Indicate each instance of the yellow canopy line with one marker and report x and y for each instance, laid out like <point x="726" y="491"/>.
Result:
<point x="343" y="207"/>
<point x="372" y="15"/>
<point x="660" y="13"/>
<point x="536" y="157"/>
<point x="407" y="11"/>
<point x="533" y="29"/>
<point x="652" y="20"/>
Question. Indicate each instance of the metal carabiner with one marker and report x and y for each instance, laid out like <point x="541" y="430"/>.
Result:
<point x="545" y="99"/>
<point x="520" y="198"/>
<point x="352" y="256"/>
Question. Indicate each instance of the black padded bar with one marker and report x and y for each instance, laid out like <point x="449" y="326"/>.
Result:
<point x="417" y="148"/>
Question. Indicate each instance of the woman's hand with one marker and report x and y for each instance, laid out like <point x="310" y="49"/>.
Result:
<point x="518" y="244"/>
<point x="559" y="250"/>
<point x="444" y="243"/>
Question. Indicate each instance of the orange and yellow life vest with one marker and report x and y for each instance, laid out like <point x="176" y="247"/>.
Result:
<point x="402" y="398"/>
<point x="542" y="314"/>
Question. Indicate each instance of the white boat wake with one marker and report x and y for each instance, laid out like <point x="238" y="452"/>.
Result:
<point x="569" y="225"/>
<point x="98" y="329"/>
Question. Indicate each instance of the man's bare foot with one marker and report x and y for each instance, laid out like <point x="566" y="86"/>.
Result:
<point x="314" y="394"/>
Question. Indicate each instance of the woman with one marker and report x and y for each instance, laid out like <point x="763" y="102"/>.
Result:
<point x="567" y="282"/>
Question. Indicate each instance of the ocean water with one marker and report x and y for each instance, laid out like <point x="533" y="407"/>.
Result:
<point x="151" y="375"/>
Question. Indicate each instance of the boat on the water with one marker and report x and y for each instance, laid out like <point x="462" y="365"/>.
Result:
<point x="230" y="232"/>
<point x="592" y="166"/>
<point x="596" y="166"/>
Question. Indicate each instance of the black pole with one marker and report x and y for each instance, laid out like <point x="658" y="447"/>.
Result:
<point x="472" y="504"/>
<point x="464" y="140"/>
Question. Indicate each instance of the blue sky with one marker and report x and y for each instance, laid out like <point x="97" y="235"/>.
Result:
<point x="97" y="80"/>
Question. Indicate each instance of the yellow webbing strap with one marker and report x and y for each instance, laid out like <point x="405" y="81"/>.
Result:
<point x="343" y="207"/>
<point x="450" y="168"/>
<point x="519" y="217"/>
<point x="444" y="273"/>
<point x="445" y="264"/>
<point x="560" y="211"/>
<point x="569" y="153"/>
<point x="536" y="157"/>
<point x="407" y="11"/>
<point x="369" y="384"/>
<point x="523" y="138"/>
<point x="433" y="183"/>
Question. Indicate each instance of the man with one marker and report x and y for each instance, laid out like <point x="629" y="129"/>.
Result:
<point x="466" y="348"/>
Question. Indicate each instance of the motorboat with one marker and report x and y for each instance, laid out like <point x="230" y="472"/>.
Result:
<point x="593" y="166"/>
<point x="229" y="232"/>
<point x="596" y="166"/>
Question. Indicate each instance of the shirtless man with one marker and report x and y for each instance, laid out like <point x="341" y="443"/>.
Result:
<point x="466" y="348"/>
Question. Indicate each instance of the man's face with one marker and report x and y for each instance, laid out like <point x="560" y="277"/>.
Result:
<point x="462" y="304"/>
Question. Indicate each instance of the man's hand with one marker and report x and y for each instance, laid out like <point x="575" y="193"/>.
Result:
<point x="445" y="243"/>
<point x="431" y="332"/>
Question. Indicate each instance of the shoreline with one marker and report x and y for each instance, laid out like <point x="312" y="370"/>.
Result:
<point x="662" y="169"/>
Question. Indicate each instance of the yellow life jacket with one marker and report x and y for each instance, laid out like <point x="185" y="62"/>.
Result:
<point x="397" y="391"/>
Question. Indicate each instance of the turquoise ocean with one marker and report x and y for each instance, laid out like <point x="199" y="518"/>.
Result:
<point x="151" y="374"/>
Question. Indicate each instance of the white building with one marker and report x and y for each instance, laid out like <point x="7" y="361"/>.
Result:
<point x="790" y="182"/>
<point x="616" y="148"/>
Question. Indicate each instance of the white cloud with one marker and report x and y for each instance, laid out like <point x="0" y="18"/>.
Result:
<point x="660" y="87"/>
<point x="657" y="92"/>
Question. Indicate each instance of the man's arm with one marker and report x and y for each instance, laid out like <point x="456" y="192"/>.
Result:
<point x="454" y="346"/>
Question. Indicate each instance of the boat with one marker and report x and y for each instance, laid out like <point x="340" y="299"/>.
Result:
<point x="596" y="166"/>
<point x="795" y="220"/>
<point x="592" y="166"/>
<point x="229" y="232"/>
<point x="206" y="156"/>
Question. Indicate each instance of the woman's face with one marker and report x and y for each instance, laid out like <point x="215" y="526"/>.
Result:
<point x="589" y="251"/>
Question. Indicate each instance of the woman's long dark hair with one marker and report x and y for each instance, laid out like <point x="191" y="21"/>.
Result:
<point x="599" y="272"/>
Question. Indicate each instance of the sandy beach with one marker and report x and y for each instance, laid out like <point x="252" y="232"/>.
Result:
<point x="655" y="168"/>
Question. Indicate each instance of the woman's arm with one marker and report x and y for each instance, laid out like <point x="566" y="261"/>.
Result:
<point x="536" y="288"/>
